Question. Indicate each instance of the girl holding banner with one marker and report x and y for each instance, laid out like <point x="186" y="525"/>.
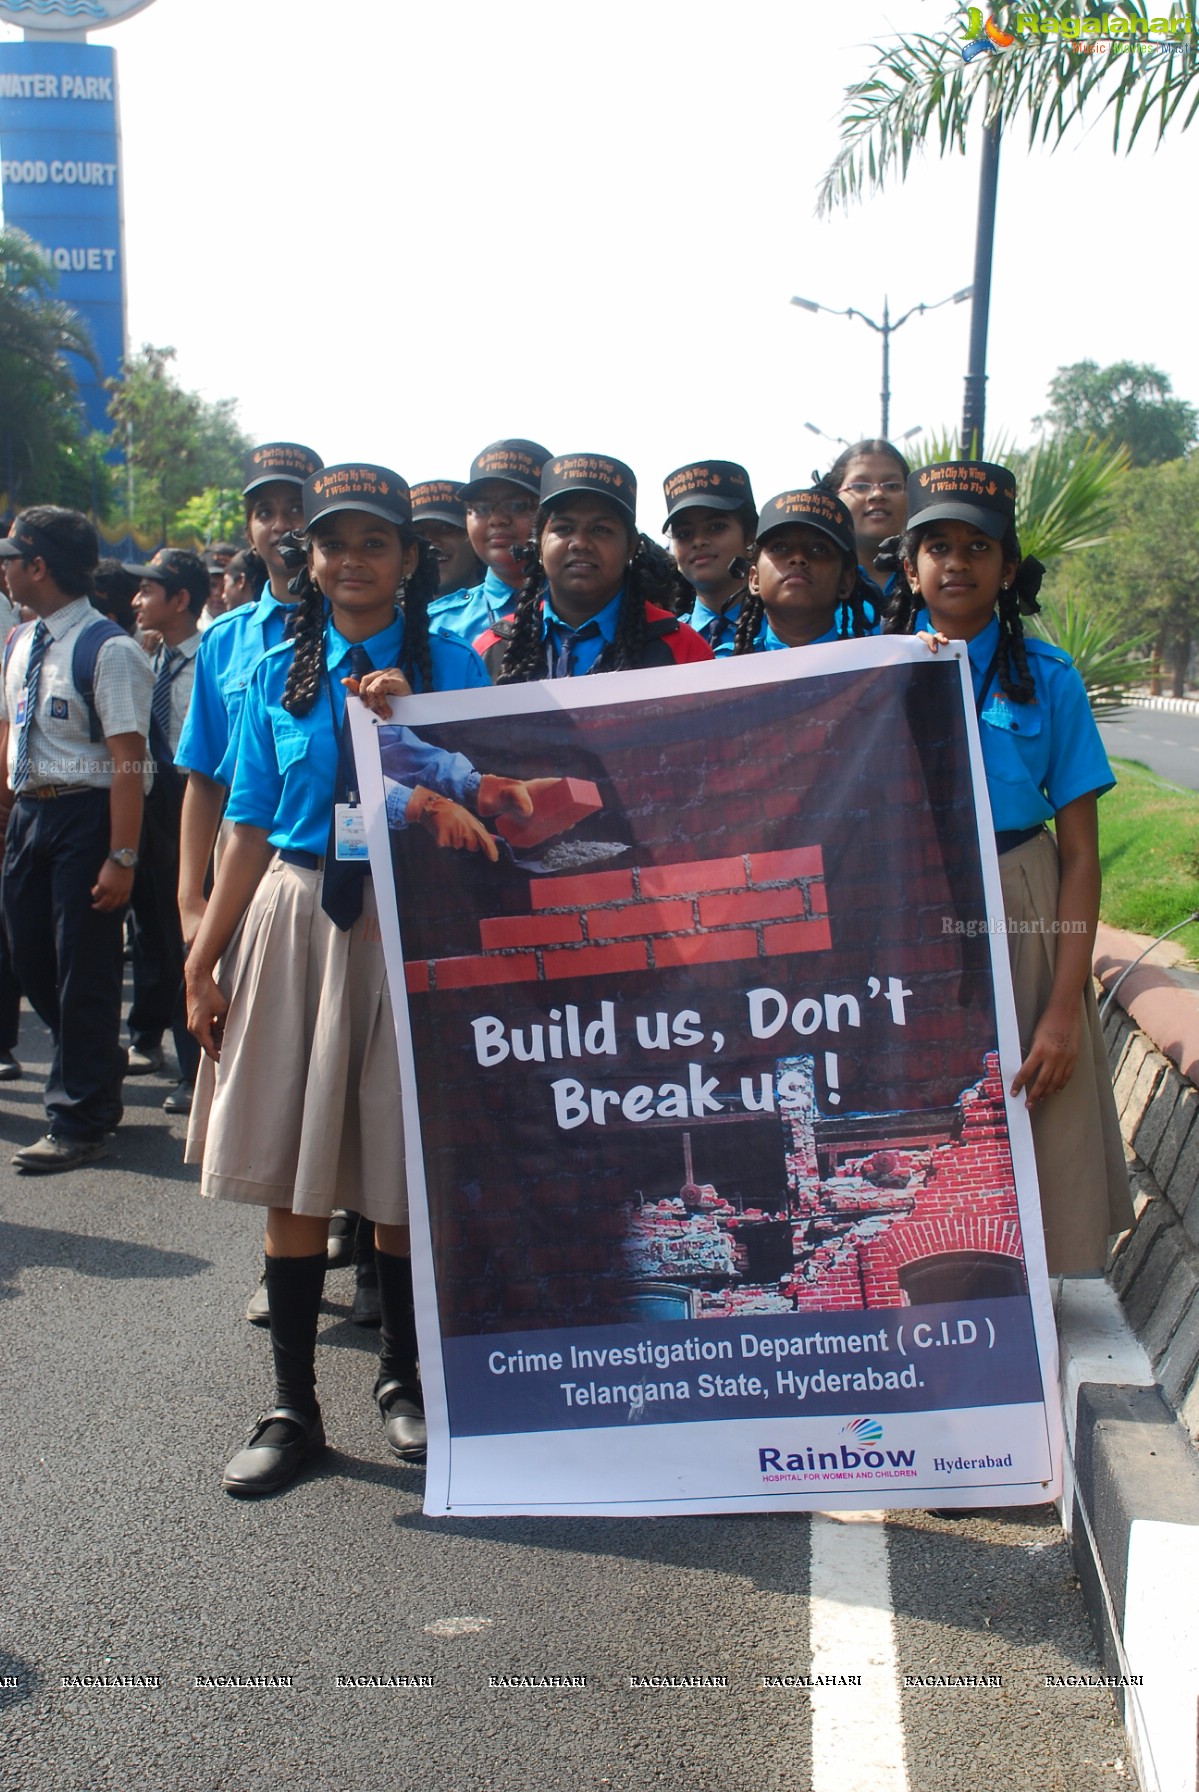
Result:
<point x="964" y="580"/>
<point x="296" y="1105"/>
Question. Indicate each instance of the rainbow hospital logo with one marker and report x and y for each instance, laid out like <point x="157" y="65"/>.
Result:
<point x="1101" y="31"/>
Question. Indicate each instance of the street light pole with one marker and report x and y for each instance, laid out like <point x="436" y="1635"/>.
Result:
<point x="886" y="330"/>
<point x="886" y="392"/>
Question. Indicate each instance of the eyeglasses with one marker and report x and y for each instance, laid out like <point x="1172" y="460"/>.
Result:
<point x="508" y="509"/>
<point x="862" y="488"/>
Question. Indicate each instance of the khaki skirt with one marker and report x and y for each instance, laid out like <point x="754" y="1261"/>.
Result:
<point x="303" y="1110"/>
<point x="1076" y="1133"/>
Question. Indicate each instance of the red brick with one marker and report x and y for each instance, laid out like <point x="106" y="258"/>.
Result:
<point x="639" y="918"/>
<point x="773" y="867"/>
<point x="752" y="905"/>
<point x="594" y="961"/>
<point x="818" y="896"/>
<point x="706" y="948"/>
<point x="797" y="936"/>
<point x="556" y="807"/>
<point x="529" y="930"/>
<point x="691" y="879"/>
<point x="474" y="973"/>
<point x="416" y="976"/>
<point x="578" y="892"/>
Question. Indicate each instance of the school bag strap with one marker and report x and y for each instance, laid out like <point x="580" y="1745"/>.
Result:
<point x="88" y="644"/>
<point x="14" y="635"/>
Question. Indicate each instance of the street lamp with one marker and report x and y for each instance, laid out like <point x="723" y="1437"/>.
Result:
<point x="886" y="330"/>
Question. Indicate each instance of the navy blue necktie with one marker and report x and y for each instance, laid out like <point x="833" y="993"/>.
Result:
<point x="345" y="879"/>
<point x="160" y="702"/>
<point x="564" y="662"/>
<point x="33" y="678"/>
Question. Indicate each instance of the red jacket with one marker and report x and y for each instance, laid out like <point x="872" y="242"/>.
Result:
<point x="668" y="642"/>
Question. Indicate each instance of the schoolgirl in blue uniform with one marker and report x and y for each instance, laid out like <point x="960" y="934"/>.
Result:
<point x="231" y="647"/>
<point x="296" y="1107"/>
<point x="870" y="478"/>
<point x="805" y="585"/>
<point x="586" y="604"/>
<point x="500" y="500"/>
<point x="711" y="519"/>
<point x="963" y="579"/>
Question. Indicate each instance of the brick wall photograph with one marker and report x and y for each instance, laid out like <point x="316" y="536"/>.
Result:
<point x="744" y="880"/>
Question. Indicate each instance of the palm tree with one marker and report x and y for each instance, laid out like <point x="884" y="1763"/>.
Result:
<point x="39" y="403"/>
<point x="926" y="89"/>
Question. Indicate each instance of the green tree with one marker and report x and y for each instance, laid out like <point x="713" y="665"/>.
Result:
<point x="41" y="431"/>
<point x="175" y="444"/>
<point x="215" y="514"/>
<point x="1129" y="402"/>
<point x="1146" y="576"/>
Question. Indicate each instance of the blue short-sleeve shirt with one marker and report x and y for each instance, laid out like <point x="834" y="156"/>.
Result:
<point x="1038" y="756"/>
<point x="286" y="771"/>
<point x="230" y="648"/>
<point x="474" y="609"/>
<point x="716" y="626"/>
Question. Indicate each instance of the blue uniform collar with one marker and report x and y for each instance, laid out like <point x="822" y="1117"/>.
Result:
<point x="384" y="648"/>
<point x="701" y="616"/>
<point x="771" y="643"/>
<point x="498" y="595"/>
<point x="605" y="620"/>
<point x="982" y="650"/>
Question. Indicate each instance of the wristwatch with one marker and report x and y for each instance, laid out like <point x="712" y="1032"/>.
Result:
<point x="125" y="857"/>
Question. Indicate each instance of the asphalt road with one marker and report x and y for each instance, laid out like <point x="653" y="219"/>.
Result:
<point x="130" y="1375"/>
<point x="1167" y="743"/>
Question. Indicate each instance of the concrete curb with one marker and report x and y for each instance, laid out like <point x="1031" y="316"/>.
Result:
<point x="1185" y="706"/>
<point x="1130" y="1506"/>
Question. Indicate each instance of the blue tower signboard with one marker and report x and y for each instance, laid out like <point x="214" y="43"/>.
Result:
<point x="60" y="166"/>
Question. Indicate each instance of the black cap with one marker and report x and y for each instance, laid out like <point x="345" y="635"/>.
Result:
<point x="964" y="491"/>
<point x="274" y="461"/>
<point x="355" y="486"/>
<point x="708" y="485"/>
<point x="437" y="501"/>
<point x="175" y="568"/>
<point x="513" y="460"/>
<point x="597" y="474"/>
<point x="26" y="539"/>
<point x="815" y="507"/>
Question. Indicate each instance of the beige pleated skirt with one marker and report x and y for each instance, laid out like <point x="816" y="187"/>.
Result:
<point x="1076" y="1133"/>
<point x="303" y="1110"/>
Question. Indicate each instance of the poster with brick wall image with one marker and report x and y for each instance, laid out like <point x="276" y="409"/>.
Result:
<point x="718" y="1201"/>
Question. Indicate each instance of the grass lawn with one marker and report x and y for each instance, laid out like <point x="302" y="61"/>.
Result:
<point x="1149" y="849"/>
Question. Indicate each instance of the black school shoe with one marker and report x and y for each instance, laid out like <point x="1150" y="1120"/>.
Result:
<point x="276" y="1450"/>
<point x="403" y="1420"/>
<point x="58" y="1152"/>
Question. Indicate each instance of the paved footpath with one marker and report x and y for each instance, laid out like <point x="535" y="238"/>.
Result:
<point x="129" y="1375"/>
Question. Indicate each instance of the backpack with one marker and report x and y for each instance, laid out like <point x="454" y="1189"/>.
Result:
<point x="84" y="655"/>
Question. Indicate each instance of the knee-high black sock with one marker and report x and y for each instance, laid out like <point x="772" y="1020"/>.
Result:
<point x="294" y="1286"/>
<point x="397" y="1339"/>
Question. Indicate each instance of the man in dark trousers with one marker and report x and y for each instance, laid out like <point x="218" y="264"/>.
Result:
<point x="78" y="769"/>
<point x="172" y="592"/>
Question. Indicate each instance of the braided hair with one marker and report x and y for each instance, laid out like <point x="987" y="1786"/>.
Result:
<point x="647" y="580"/>
<point x="1016" y="600"/>
<point x="307" y="669"/>
<point x="852" y="608"/>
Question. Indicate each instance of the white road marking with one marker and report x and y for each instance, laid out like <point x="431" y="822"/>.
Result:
<point x="857" y="1736"/>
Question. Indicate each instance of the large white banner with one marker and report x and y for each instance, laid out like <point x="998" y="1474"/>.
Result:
<point x="718" y="1200"/>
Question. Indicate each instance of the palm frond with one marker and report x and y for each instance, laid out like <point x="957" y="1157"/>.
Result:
<point x="1107" y="660"/>
<point x="920" y="90"/>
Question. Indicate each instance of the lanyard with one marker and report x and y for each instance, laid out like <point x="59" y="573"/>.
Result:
<point x="347" y="772"/>
<point x="987" y="682"/>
